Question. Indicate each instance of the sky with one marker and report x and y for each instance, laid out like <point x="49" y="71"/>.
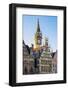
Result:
<point x="48" y="27"/>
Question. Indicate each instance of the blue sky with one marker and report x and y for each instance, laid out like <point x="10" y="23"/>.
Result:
<point x="48" y="27"/>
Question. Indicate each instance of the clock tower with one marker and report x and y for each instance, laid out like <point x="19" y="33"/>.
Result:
<point x="38" y="37"/>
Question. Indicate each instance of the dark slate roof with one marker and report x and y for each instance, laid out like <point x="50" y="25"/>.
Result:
<point x="28" y="49"/>
<point x="53" y="54"/>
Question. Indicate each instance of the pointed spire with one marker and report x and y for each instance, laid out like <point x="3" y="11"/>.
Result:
<point x="38" y="26"/>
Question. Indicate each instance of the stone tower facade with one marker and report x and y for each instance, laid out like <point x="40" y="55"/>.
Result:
<point x="38" y="37"/>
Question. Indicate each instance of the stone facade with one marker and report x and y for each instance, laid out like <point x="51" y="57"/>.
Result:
<point x="28" y="61"/>
<point x="54" y="63"/>
<point x="45" y="62"/>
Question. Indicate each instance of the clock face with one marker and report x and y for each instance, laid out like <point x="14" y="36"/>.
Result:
<point x="39" y="42"/>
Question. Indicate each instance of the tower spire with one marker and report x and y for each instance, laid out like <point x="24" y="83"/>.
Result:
<point x="38" y="26"/>
<point x="38" y="36"/>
